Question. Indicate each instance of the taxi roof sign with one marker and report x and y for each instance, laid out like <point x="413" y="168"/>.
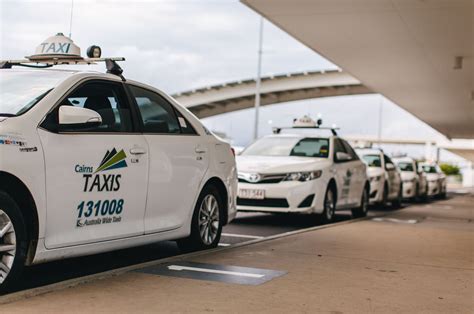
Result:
<point x="61" y="50"/>
<point x="306" y="122"/>
<point x="57" y="46"/>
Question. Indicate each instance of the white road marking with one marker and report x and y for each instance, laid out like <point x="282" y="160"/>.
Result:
<point x="233" y="235"/>
<point x="223" y="244"/>
<point x="409" y="221"/>
<point x="214" y="271"/>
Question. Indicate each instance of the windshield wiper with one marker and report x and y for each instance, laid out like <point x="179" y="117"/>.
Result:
<point x="7" y="115"/>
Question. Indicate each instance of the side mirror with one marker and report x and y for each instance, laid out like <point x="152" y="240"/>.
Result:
<point x="390" y="167"/>
<point x="340" y="156"/>
<point x="77" y="118"/>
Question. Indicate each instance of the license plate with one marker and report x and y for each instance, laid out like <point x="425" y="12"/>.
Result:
<point x="252" y="194"/>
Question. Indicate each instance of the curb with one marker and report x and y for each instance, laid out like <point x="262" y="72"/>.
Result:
<point x="20" y="295"/>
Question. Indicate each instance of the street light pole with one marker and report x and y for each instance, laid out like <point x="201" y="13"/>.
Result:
<point x="258" y="80"/>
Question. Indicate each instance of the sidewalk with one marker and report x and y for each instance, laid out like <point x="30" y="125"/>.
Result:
<point x="392" y="265"/>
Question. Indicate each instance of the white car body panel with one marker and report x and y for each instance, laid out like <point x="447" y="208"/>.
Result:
<point x="381" y="177"/>
<point x="47" y="169"/>
<point x="350" y="178"/>
<point x="413" y="181"/>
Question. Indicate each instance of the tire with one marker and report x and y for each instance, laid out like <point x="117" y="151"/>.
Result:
<point x="208" y="211"/>
<point x="416" y="197"/>
<point x="397" y="203"/>
<point x="361" y="211"/>
<point x="384" y="201"/>
<point x="12" y="233"/>
<point x="329" y="212"/>
<point x="424" y="197"/>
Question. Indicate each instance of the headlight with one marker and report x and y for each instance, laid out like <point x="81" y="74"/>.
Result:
<point x="376" y="178"/>
<point x="303" y="176"/>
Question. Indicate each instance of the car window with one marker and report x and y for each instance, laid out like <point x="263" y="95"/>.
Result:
<point x="186" y="127"/>
<point x="372" y="160"/>
<point x="387" y="161"/>
<point x="157" y="114"/>
<point x="406" y="166"/>
<point x="350" y="150"/>
<point x="338" y="146"/>
<point x="289" y="146"/>
<point x="106" y="98"/>
<point x="311" y="147"/>
<point x="429" y="169"/>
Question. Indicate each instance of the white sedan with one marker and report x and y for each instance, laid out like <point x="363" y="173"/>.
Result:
<point x="436" y="179"/>
<point x="385" y="179"/>
<point x="294" y="173"/>
<point x="92" y="162"/>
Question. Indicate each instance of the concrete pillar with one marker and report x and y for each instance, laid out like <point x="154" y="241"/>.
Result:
<point x="428" y="154"/>
<point x="468" y="176"/>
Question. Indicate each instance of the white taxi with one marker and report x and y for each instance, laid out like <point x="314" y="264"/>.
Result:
<point x="93" y="162"/>
<point x="302" y="173"/>
<point x="385" y="179"/>
<point x="436" y="179"/>
<point x="415" y="186"/>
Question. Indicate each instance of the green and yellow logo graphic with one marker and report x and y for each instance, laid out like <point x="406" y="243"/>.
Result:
<point x="112" y="160"/>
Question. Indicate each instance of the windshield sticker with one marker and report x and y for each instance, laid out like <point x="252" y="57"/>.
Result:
<point x="104" y="211"/>
<point x="182" y="122"/>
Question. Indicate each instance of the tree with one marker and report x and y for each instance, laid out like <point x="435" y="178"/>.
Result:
<point x="449" y="170"/>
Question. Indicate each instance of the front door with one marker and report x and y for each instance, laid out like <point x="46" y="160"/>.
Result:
<point x="392" y="177"/>
<point x="358" y="178"/>
<point x="95" y="181"/>
<point x="179" y="158"/>
<point x="343" y="175"/>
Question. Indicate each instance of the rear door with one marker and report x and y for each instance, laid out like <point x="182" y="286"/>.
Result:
<point x="179" y="159"/>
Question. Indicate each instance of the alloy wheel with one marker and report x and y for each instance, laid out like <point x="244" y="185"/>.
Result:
<point x="7" y="245"/>
<point x="329" y="205"/>
<point x="209" y="219"/>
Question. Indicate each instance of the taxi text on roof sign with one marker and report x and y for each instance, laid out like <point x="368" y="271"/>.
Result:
<point x="57" y="46"/>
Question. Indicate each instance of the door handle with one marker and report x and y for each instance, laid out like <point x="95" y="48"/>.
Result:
<point x="200" y="150"/>
<point x="137" y="151"/>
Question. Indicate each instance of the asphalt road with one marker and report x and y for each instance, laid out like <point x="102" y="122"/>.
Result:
<point x="246" y="227"/>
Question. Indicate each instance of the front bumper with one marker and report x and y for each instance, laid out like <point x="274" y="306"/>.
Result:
<point x="433" y="188"/>
<point x="376" y="191"/>
<point x="285" y="197"/>
<point x="409" y="189"/>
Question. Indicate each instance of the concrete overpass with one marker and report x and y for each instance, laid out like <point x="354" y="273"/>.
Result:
<point x="462" y="148"/>
<point x="228" y="97"/>
<point x="419" y="54"/>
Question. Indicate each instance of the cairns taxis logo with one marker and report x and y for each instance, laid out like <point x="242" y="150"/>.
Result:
<point x="101" y="208"/>
<point x="98" y="181"/>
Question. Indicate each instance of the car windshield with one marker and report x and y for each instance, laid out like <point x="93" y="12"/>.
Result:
<point x="429" y="169"/>
<point x="405" y="166"/>
<point x="289" y="146"/>
<point x="21" y="90"/>
<point x="372" y="160"/>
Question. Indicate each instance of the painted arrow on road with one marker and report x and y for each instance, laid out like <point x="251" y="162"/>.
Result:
<point x="214" y="271"/>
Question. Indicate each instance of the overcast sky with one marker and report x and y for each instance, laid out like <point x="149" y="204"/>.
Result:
<point x="186" y="44"/>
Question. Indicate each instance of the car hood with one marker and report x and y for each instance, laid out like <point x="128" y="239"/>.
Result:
<point x="432" y="176"/>
<point x="407" y="175"/>
<point x="280" y="164"/>
<point x="374" y="172"/>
